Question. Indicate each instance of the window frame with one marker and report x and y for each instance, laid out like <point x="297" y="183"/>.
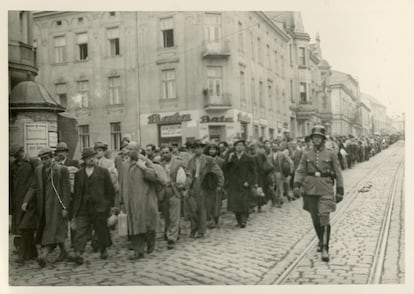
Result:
<point x="116" y="135"/>
<point x="60" y="49"/>
<point x="82" y="47"/>
<point x="111" y="89"/>
<point x="165" y="83"/>
<point x="83" y="135"/>
<point x="83" y="92"/>
<point x="170" y="29"/>
<point x="214" y="29"/>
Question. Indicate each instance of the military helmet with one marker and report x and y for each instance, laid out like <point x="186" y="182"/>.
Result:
<point x="319" y="130"/>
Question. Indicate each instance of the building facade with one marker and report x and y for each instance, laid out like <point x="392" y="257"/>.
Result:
<point x="379" y="113"/>
<point x="345" y="99"/>
<point x="166" y="77"/>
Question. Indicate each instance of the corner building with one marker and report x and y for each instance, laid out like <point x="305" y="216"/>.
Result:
<point x="160" y="77"/>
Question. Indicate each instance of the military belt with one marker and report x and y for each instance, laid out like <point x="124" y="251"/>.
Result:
<point x="320" y="175"/>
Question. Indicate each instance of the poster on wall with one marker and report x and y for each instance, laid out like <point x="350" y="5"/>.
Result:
<point x="53" y="138"/>
<point x="168" y="131"/>
<point x="36" y="136"/>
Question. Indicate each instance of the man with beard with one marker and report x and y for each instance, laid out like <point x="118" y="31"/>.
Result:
<point x="207" y="178"/>
<point x="318" y="169"/>
<point x="172" y="195"/>
<point x="214" y="201"/>
<point x="50" y="190"/>
<point x="241" y="177"/>
<point x="23" y="222"/>
<point x="92" y="201"/>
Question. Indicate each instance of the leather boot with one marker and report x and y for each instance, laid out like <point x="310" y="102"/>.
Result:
<point x="319" y="233"/>
<point x="325" y="242"/>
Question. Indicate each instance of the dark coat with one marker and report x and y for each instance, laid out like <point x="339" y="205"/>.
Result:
<point x="21" y="176"/>
<point x="54" y="230"/>
<point x="103" y="190"/>
<point x="237" y="173"/>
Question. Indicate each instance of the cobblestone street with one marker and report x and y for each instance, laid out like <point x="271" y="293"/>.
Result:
<point x="260" y="253"/>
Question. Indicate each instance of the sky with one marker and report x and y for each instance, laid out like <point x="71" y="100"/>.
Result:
<point x="372" y="43"/>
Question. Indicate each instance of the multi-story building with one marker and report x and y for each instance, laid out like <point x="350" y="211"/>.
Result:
<point x="398" y="122"/>
<point x="166" y="76"/>
<point x="366" y="119"/>
<point x="308" y="77"/>
<point x="379" y="113"/>
<point x="345" y="99"/>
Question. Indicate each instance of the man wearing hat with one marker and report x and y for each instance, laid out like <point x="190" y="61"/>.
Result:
<point x="23" y="223"/>
<point x="62" y="151"/>
<point x="318" y="171"/>
<point x="92" y="201"/>
<point x="241" y="177"/>
<point x="206" y="178"/>
<point x="50" y="191"/>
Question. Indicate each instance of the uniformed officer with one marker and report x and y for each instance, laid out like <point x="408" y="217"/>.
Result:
<point x="317" y="171"/>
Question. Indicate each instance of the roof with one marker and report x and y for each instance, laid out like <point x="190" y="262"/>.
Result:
<point x="372" y="99"/>
<point x="32" y="95"/>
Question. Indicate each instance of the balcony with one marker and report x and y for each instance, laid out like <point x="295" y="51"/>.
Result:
<point x="219" y="49"/>
<point x="23" y="56"/>
<point x="222" y="102"/>
<point x="305" y="111"/>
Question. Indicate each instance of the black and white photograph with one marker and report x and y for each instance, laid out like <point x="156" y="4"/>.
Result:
<point x="208" y="147"/>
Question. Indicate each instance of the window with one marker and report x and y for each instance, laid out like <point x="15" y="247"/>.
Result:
<point x="269" y="88"/>
<point x="213" y="27"/>
<point x="268" y="56"/>
<point x="259" y="51"/>
<point x="82" y="41"/>
<point x="252" y="46"/>
<point x="83" y="90"/>
<point x="241" y="38"/>
<point x="292" y="97"/>
<point x="302" y="56"/>
<point x="60" y="49"/>
<point x="277" y="99"/>
<point x="112" y="13"/>
<point x="113" y="38"/>
<point x="271" y="134"/>
<point x="256" y="132"/>
<point x="276" y="63"/>
<point x="261" y="94"/>
<point x="303" y="94"/>
<point x="290" y="55"/>
<point x="167" y="32"/>
<point x="114" y="90"/>
<point x="84" y="136"/>
<point x="116" y="136"/>
<point x="262" y="132"/>
<point x="168" y="84"/>
<point x="59" y="22"/>
<point x="215" y="81"/>
<point x="242" y="88"/>
<point x="253" y="92"/>
<point x="61" y="93"/>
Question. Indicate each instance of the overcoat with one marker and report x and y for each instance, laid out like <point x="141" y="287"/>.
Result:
<point x="239" y="171"/>
<point x="54" y="228"/>
<point x="138" y="190"/>
<point x="21" y="176"/>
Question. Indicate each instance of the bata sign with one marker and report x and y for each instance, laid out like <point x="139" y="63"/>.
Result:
<point x="168" y="119"/>
<point x="217" y="119"/>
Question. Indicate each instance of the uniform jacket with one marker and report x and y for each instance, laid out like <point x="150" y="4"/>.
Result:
<point x="239" y="171"/>
<point x="47" y="203"/>
<point x="103" y="191"/>
<point x="321" y="161"/>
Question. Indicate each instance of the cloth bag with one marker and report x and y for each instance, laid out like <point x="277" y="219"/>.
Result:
<point x="122" y="224"/>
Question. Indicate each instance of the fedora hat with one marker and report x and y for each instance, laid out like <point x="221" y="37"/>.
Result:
<point x="198" y="143"/>
<point x="238" y="141"/>
<point x="45" y="151"/>
<point x="88" y="152"/>
<point x="62" y="146"/>
<point x="100" y="145"/>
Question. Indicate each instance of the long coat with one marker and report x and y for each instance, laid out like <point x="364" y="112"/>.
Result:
<point x="21" y="176"/>
<point x="103" y="191"/>
<point x="138" y="191"/>
<point x="239" y="171"/>
<point x="54" y="229"/>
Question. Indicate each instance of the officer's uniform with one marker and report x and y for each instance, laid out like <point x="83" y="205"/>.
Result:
<point x="317" y="171"/>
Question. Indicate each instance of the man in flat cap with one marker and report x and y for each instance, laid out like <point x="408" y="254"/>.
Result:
<point x="206" y="178"/>
<point x="92" y="201"/>
<point x="23" y="222"/>
<point x="50" y="191"/>
<point x="62" y="152"/>
<point x="241" y="177"/>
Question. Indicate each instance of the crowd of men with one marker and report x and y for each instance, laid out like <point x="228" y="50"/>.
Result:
<point x="190" y="183"/>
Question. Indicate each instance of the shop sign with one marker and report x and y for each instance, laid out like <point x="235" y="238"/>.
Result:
<point x="216" y="119"/>
<point x="243" y="117"/>
<point x="175" y="118"/>
<point x="169" y="131"/>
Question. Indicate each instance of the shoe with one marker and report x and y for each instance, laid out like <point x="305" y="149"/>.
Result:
<point x="150" y="248"/>
<point x="136" y="256"/>
<point x="62" y="256"/>
<point x="200" y="235"/>
<point x="325" y="254"/>
<point x="193" y="234"/>
<point x="171" y="244"/>
<point x="104" y="254"/>
<point x="41" y="261"/>
<point x="243" y="225"/>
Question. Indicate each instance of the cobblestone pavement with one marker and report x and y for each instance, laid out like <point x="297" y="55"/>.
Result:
<point x="229" y="255"/>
